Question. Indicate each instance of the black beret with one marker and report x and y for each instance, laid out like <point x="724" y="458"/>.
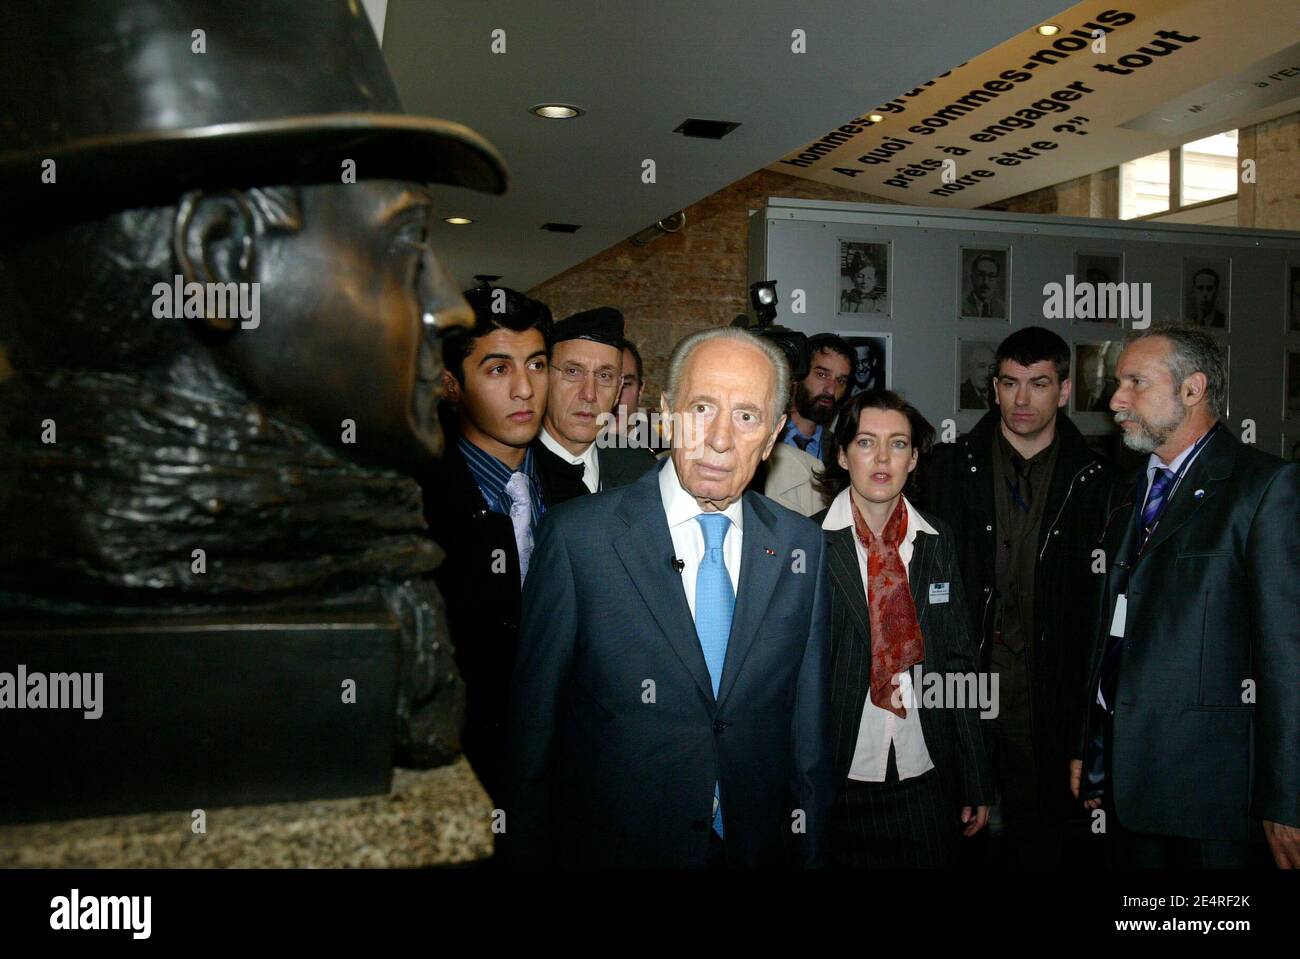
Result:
<point x="604" y="324"/>
<point x="513" y="310"/>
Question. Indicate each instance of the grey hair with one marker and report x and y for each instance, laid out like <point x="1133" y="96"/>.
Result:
<point x="1193" y="350"/>
<point x="683" y="350"/>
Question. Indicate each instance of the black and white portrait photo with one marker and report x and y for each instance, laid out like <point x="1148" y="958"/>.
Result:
<point x="864" y="277"/>
<point x="871" y="371"/>
<point x="1094" y="375"/>
<point x="984" y="283"/>
<point x="975" y="368"/>
<point x="1206" y="291"/>
<point x="1097" y="269"/>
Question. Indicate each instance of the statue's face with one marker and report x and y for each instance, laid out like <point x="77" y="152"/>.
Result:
<point x="353" y="308"/>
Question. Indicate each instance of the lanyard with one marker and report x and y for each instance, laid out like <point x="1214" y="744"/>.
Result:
<point x="1178" y="478"/>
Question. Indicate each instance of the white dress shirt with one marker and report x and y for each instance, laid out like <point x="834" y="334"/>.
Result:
<point x="588" y="460"/>
<point x="681" y="509"/>
<point x="880" y="727"/>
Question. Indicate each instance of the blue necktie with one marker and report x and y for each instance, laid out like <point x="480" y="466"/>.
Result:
<point x="715" y="602"/>
<point x="1156" y="498"/>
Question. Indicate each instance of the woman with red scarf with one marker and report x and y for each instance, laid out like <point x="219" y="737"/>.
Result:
<point x="906" y="701"/>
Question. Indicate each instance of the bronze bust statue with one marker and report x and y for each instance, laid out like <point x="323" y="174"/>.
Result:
<point x="219" y="322"/>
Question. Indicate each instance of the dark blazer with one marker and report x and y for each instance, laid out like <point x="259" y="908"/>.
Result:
<point x="482" y="599"/>
<point x="618" y="467"/>
<point x="1212" y="603"/>
<point x="956" y="482"/>
<point x="953" y="737"/>
<point x="616" y="739"/>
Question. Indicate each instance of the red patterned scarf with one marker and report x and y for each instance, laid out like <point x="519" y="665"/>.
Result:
<point x="896" y="642"/>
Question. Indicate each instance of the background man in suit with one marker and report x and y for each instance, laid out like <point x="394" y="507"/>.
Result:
<point x="830" y="363"/>
<point x="482" y="501"/>
<point x="1028" y="501"/>
<point x="1194" y="710"/>
<point x="585" y="379"/>
<point x="670" y="698"/>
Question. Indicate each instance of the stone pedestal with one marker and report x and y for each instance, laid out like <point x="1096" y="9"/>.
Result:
<point x="434" y="817"/>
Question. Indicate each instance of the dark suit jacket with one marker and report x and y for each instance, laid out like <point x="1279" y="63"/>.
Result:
<point x="482" y="599"/>
<point x="616" y="739"/>
<point x="618" y="467"/>
<point x="970" y="306"/>
<point x="952" y="736"/>
<point x="1212" y="602"/>
<point x="956" y="482"/>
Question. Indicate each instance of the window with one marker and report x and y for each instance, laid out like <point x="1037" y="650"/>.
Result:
<point x="1209" y="168"/>
<point x="1170" y="180"/>
<point x="1144" y="186"/>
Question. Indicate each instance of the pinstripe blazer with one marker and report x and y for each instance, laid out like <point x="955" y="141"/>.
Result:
<point x="953" y="737"/>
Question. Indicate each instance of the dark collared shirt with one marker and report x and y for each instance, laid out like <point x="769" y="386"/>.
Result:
<point x="492" y="475"/>
<point x="1017" y="534"/>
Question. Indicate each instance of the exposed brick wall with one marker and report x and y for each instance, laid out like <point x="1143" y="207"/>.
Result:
<point x="686" y="281"/>
<point x="1272" y="202"/>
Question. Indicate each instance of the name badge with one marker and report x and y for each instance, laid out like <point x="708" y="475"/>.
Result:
<point x="1121" y="613"/>
<point x="938" y="593"/>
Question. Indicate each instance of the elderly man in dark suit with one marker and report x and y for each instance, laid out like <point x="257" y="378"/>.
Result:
<point x="669" y="705"/>
<point x="1193" y="739"/>
<point x="579" y="446"/>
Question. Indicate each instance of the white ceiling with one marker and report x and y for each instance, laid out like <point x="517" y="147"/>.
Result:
<point x="638" y="69"/>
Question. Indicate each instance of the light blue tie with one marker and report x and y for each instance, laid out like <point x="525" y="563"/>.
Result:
<point x="715" y="602"/>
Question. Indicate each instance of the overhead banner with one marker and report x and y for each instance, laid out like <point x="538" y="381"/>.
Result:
<point x="1038" y="110"/>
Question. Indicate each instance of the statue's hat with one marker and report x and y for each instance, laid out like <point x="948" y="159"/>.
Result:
<point x="136" y="101"/>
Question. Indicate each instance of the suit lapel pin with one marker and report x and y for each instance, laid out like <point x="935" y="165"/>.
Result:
<point x="1199" y="493"/>
<point x="769" y="552"/>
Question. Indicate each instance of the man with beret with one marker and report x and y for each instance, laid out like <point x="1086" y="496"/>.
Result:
<point x="578" y="438"/>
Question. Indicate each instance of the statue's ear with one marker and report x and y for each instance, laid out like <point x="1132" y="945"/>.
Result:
<point x="214" y="242"/>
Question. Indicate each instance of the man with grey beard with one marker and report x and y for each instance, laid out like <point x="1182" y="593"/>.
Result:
<point x="1192" y="745"/>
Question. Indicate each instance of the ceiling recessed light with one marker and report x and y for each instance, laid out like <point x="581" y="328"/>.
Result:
<point x="556" y="111"/>
<point x="875" y="117"/>
<point x="1049" y="29"/>
<point x="457" y="220"/>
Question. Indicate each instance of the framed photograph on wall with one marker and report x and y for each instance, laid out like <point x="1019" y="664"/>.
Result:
<point x="874" y="367"/>
<point x="1098" y="269"/>
<point x="1094" y="377"/>
<point x="1293" y="298"/>
<point x="975" y="374"/>
<point x="1207" y="292"/>
<point x="864" y="278"/>
<point x="984" y="283"/>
